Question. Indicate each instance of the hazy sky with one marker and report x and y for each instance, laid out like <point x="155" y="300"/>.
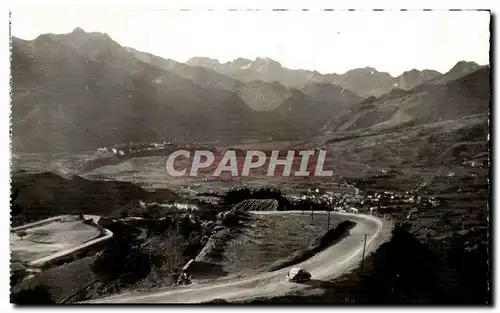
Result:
<point x="391" y="41"/>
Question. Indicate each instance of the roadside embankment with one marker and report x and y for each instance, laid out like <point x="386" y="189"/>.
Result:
<point x="322" y="242"/>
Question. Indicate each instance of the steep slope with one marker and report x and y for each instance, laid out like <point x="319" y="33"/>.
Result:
<point x="65" y="89"/>
<point x="303" y="115"/>
<point x="202" y="76"/>
<point x="460" y="69"/>
<point x="424" y="104"/>
<point x="262" y="96"/>
<point x="209" y="63"/>
<point x="410" y="79"/>
<point x="83" y="90"/>
<point x="264" y="69"/>
<point x="257" y="94"/>
<point x="330" y="93"/>
<point x="365" y="81"/>
<point x="260" y="69"/>
<point x="80" y="91"/>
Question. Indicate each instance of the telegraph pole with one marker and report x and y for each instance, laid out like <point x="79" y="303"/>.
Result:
<point x="328" y="221"/>
<point x="364" y="248"/>
<point x="330" y="206"/>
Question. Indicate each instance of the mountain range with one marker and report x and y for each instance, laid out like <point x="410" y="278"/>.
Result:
<point x="81" y="90"/>
<point x="365" y="81"/>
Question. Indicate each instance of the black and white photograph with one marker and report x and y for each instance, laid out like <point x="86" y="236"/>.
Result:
<point x="250" y="156"/>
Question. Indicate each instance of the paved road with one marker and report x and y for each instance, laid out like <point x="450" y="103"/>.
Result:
<point x="66" y="250"/>
<point x="326" y="265"/>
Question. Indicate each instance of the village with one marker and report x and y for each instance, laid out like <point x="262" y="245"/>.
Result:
<point x="388" y="204"/>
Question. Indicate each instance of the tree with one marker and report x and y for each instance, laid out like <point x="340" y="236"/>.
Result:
<point x="22" y="234"/>
<point x="34" y="295"/>
<point x="15" y="208"/>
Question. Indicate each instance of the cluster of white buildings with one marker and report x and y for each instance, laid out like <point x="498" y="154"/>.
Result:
<point x="135" y="148"/>
<point x="370" y="203"/>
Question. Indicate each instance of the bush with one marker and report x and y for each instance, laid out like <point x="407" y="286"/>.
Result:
<point x="165" y="251"/>
<point x="152" y="260"/>
<point x="22" y="234"/>
<point x="208" y="211"/>
<point x="272" y="193"/>
<point x="35" y="295"/>
<point x="121" y="256"/>
<point x="237" y="195"/>
<point x="166" y="257"/>
<point x="186" y="225"/>
<point x="230" y="219"/>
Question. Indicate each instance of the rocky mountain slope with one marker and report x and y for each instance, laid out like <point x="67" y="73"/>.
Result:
<point x="365" y="81"/>
<point x="323" y="92"/>
<point x="424" y="104"/>
<point x="460" y="69"/>
<point x="200" y="75"/>
<point x="410" y="79"/>
<point x="81" y="91"/>
<point x="432" y="130"/>
<point x="260" y="90"/>
<point x="361" y="81"/>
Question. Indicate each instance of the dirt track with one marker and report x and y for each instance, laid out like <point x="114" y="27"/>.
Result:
<point x="325" y="265"/>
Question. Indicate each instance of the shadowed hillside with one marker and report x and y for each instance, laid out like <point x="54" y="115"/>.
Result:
<point x="424" y="104"/>
<point x="80" y="91"/>
<point x="43" y="195"/>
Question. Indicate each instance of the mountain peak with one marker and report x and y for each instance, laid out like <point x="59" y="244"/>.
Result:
<point x="242" y="61"/>
<point x="465" y="66"/>
<point x="203" y="59"/>
<point x="266" y="64"/>
<point x="78" y="30"/>
<point x="44" y="39"/>
<point x="466" y="63"/>
<point x="80" y="33"/>
<point x="266" y="60"/>
<point x="204" y="62"/>
<point x="412" y="73"/>
<point x="363" y="70"/>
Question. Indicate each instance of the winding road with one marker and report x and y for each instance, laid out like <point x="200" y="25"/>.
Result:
<point x="63" y="250"/>
<point x="326" y="265"/>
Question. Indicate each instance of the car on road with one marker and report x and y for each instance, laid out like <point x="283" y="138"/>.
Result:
<point x="298" y="275"/>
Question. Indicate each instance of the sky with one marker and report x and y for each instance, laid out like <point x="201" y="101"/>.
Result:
<point x="326" y="41"/>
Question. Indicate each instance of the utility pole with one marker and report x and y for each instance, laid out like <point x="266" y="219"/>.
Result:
<point x="363" y="257"/>
<point x="328" y="221"/>
<point x="312" y="212"/>
<point x="330" y="206"/>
